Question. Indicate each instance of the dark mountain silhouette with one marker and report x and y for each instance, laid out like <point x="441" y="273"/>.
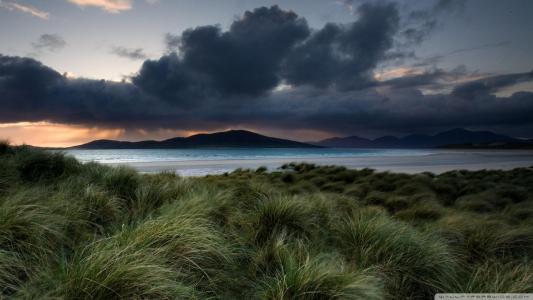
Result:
<point x="229" y="139"/>
<point x="350" y="142"/>
<point x="455" y="138"/>
<point x="387" y="141"/>
<point x="458" y="136"/>
<point x="461" y="136"/>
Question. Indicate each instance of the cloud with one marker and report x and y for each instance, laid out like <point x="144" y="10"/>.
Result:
<point x="342" y="54"/>
<point x="267" y="47"/>
<point x="50" y="42"/>
<point x="34" y="92"/>
<point x="433" y="60"/>
<point x="421" y="23"/>
<point x="111" y="6"/>
<point x="416" y="24"/>
<point x="481" y="47"/>
<point x="25" y="9"/>
<point x="172" y="42"/>
<point x="133" y="54"/>
<point x="245" y="60"/>
<point x="432" y="81"/>
<point x="490" y="85"/>
<point x="251" y="76"/>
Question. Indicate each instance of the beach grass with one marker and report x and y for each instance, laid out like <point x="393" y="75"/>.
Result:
<point x="87" y="231"/>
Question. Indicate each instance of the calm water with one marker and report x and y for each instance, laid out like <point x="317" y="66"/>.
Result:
<point x="197" y="162"/>
<point x="176" y="155"/>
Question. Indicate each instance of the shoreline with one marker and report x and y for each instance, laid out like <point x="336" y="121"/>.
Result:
<point x="435" y="162"/>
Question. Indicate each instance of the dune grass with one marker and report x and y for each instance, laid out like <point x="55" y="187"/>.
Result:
<point x="319" y="277"/>
<point x="415" y="263"/>
<point x="87" y="231"/>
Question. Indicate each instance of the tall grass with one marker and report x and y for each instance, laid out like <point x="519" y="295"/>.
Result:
<point x="285" y="216"/>
<point x="4" y="147"/>
<point x="495" y="277"/>
<point x="28" y="228"/>
<point x="101" y="208"/>
<point x="189" y="244"/>
<point x="34" y="166"/>
<point x="122" y="182"/>
<point x="486" y="239"/>
<point x="100" y="271"/>
<point x="318" y="278"/>
<point x="416" y="264"/>
<point x="87" y="231"/>
<point x="10" y="266"/>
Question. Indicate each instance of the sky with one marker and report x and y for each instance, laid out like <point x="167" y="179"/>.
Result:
<point x="72" y="71"/>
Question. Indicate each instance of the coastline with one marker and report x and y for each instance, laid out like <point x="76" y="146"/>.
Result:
<point x="436" y="162"/>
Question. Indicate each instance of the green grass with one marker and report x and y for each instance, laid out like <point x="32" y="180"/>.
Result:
<point x="86" y="231"/>
<point x="494" y="277"/>
<point x="317" y="278"/>
<point x="102" y="271"/>
<point x="279" y="216"/>
<point x="416" y="264"/>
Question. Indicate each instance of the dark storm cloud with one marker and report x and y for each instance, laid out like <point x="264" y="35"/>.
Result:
<point x="172" y="42"/>
<point x="344" y="55"/>
<point x="400" y="112"/>
<point x="33" y="92"/>
<point x="101" y="103"/>
<point x="229" y="78"/>
<point x="50" y="42"/>
<point x="486" y="86"/>
<point x="133" y="54"/>
<point x="269" y="45"/>
<point x="24" y="79"/>
<point x="245" y="60"/>
<point x="169" y="79"/>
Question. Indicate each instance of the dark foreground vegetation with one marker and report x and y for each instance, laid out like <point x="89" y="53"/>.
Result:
<point x="73" y="231"/>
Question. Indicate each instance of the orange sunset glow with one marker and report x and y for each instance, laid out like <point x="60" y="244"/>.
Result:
<point x="46" y="134"/>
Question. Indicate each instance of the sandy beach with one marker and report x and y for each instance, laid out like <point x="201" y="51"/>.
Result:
<point x="437" y="162"/>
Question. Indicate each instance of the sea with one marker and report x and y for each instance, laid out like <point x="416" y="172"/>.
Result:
<point x="177" y="155"/>
<point x="198" y="162"/>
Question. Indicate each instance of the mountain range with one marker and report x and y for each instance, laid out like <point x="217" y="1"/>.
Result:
<point x="455" y="138"/>
<point x="225" y="139"/>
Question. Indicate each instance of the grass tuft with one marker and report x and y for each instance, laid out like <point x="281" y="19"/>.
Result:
<point x="4" y="147"/>
<point x="495" y="277"/>
<point x="103" y="272"/>
<point x="299" y="276"/>
<point x="34" y="166"/>
<point x="280" y="216"/>
<point x="122" y="182"/>
<point x="416" y="264"/>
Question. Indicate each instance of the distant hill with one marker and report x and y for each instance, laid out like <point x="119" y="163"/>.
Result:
<point x="524" y="144"/>
<point x="229" y="139"/>
<point x="458" y="137"/>
<point x="347" y="142"/>
<point x="455" y="138"/>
